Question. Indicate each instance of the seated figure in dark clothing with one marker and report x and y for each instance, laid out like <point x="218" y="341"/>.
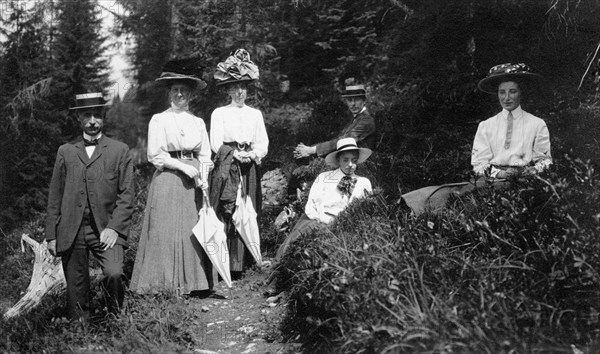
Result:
<point x="362" y="127"/>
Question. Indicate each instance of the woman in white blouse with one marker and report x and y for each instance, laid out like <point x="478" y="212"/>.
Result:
<point x="169" y="257"/>
<point x="513" y="141"/>
<point x="239" y="139"/>
<point x="330" y="194"/>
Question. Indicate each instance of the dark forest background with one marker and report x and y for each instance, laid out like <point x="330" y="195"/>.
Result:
<point x="420" y="59"/>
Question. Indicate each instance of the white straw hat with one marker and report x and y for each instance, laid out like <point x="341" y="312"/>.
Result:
<point x="347" y="144"/>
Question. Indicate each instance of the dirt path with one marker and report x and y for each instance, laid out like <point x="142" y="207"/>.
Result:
<point x="245" y="323"/>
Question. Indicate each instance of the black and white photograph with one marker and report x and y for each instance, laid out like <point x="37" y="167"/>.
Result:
<point x="300" y="176"/>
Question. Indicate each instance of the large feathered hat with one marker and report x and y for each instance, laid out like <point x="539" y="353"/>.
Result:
<point x="187" y="69"/>
<point x="237" y="68"/>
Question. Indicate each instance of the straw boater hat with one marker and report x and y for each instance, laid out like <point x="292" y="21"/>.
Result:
<point x="237" y="68"/>
<point x="347" y="144"/>
<point x="353" y="88"/>
<point x="507" y="72"/>
<point x="186" y="69"/>
<point x="89" y="100"/>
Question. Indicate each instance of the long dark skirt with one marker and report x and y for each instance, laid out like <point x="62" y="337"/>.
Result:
<point x="435" y="198"/>
<point x="169" y="257"/>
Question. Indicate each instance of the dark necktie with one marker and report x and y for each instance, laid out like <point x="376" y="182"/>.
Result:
<point x="90" y="142"/>
<point x="346" y="185"/>
<point x="509" y="129"/>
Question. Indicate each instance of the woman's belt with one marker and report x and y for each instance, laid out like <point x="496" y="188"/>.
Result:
<point x="506" y="167"/>
<point x="239" y="146"/>
<point x="183" y="154"/>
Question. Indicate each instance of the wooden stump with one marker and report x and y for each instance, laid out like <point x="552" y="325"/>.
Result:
<point x="48" y="278"/>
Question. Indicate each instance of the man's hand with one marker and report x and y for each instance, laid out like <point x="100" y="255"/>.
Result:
<point x="108" y="237"/>
<point x="304" y="151"/>
<point x="52" y="247"/>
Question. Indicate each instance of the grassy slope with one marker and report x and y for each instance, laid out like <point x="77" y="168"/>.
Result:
<point x="499" y="271"/>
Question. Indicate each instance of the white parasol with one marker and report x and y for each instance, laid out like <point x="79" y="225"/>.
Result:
<point x="210" y="232"/>
<point x="244" y="219"/>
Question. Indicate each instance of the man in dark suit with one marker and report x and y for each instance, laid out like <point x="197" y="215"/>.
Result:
<point x="89" y="208"/>
<point x="362" y="127"/>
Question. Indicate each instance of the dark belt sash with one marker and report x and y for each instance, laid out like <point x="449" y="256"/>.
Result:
<point x="504" y="167"/>
<point x="239" y="146"/>
<point x="183" y="154"/>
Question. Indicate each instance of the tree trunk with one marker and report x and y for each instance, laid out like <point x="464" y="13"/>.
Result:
<point x="47" y="278"/>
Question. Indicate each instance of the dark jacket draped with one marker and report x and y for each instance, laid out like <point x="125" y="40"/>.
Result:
<point x="225" y="179"/>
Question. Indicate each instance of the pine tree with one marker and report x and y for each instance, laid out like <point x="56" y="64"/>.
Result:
<point x="41" y="68"/>
<point x="28" y="126"/>
<point x="149" y="23"/>
<point x="79" y="45"/>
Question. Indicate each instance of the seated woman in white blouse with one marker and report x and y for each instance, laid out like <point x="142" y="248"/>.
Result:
<point x="330" y="194"/>
<point x="513" y="141"/>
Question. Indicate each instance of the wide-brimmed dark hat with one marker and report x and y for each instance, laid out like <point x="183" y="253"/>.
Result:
<point x="187" y="69"/>
<point x="347" y="144"/>
<point x="507" y="72"/>
<point x="237" y="68"/>
<point x="89" y="100"/>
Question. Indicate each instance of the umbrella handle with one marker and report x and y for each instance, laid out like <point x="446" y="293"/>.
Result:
<point x="244" y="193"/>
<point x="205" y="197"/>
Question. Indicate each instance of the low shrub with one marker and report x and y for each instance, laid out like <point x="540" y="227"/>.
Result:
<point x="511" y="270"/>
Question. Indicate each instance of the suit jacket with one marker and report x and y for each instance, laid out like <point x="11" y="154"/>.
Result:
<point x="106" y="179"/>
<point x="362" y="129"/>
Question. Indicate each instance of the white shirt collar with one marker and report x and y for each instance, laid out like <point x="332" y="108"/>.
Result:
<point x="362" y="110"/>
<point x="179" y="110"/>
<point x="339" y="173"/>
<point x="90" y="138"/>
<point x="517" y="113"/>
